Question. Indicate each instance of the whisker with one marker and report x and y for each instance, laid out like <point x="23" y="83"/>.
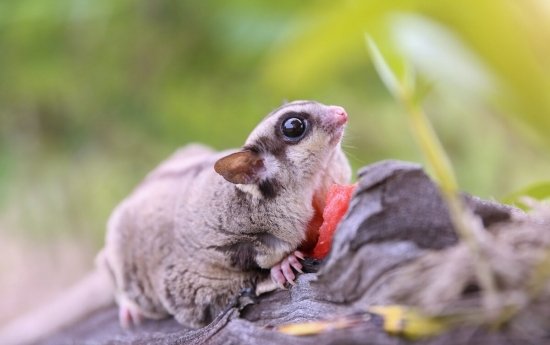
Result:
<point x="353" y="157"/>
<point x="348" y="146"/>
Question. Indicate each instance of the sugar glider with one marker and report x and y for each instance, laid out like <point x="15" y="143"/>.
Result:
<point x="204" y="224"/>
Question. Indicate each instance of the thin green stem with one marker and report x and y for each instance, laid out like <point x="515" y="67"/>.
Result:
<point x="441" y="166"/>
<point x="463" y="220"/>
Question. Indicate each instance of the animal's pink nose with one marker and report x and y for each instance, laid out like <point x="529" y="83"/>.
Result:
<point x="340" y="114"/>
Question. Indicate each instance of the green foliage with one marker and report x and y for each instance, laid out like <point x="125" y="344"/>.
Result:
<point x="537" y="191"/>
<point x="485" y="60"/>
<point x="511" y="44"/>
<point x="95" y="93"/>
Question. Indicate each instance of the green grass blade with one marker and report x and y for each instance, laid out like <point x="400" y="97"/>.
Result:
<point x="467" y="226"/>
<point x="383" y="69"/>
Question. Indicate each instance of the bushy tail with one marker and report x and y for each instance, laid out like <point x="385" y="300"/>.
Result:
<point x="92" y="293"/>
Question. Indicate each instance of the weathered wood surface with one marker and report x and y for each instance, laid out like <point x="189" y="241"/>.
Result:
<point x="395" y="217"/>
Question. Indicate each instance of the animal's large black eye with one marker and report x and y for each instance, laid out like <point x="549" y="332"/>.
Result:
<point x="293" y="128"/>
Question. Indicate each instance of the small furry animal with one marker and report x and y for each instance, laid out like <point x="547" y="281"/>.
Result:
<point x="204" y="225"/>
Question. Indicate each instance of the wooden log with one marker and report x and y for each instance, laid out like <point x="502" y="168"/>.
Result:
<point x="396" y="216"/>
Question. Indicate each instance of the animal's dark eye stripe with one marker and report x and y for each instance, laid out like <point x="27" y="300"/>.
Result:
<point x="290" y="105"/>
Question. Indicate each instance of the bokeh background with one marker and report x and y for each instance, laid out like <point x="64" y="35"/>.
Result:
<point x="94" y="93"/>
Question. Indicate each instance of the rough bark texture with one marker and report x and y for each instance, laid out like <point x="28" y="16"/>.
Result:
<point x="395" y="217"/>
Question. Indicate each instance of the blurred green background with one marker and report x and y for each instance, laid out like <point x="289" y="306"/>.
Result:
<point x="94" y="93"/>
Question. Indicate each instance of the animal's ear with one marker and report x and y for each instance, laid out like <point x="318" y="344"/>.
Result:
<point x="243" y="167"/>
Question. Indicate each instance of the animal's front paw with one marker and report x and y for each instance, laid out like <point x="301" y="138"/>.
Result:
<point x="283" y="272"/>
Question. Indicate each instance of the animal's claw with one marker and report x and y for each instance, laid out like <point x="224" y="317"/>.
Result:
<point x="283" y="272"/>
<point x="129" y="314"/>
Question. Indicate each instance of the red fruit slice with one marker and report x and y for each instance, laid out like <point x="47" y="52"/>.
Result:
<point x="337" y="203"/>
<point x="312" y="234"/>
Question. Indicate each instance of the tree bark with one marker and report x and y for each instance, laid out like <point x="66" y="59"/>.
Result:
<point x="396" y="217"/>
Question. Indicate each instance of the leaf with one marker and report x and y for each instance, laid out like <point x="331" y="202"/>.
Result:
<point x="538" y="191"/>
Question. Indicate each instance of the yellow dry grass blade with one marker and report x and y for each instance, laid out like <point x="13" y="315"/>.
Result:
<point x="317" y="327"/>
<point x="408" y="322"/>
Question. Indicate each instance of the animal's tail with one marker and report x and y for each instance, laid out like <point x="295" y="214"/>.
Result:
<point x="92" y="293"/>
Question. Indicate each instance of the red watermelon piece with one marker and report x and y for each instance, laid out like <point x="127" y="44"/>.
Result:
<point x="325" y="223"/>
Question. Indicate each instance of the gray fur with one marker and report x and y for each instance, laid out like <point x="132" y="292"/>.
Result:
<point x="186" y="240"/>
